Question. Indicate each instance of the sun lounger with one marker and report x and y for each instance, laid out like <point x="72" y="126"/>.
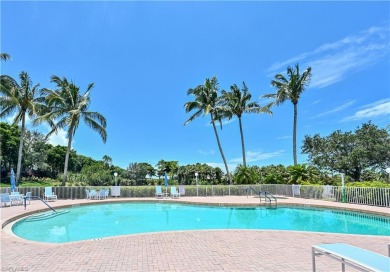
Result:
<point x="49" y="195"/>
<point x="159" y="192"/>
<point x="174" y="192"/>
<point x="356" y="257"/>
<point x="16" y="198"/>
<point x="93" y="194"/>
<point x="102" y="194"/>
<point x="27" y="197"/>
<point x="4" y="198"/>
<point x="87" y="194"/>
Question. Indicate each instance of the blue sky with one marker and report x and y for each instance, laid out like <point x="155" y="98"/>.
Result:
<point x="144" y="56"/>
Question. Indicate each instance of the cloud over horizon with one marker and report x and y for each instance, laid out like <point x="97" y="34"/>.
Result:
<point x="253" y="156"/>
<point x="375" y="109"/>
<point x="332" y="62"/>
<point x="337" y="109"/>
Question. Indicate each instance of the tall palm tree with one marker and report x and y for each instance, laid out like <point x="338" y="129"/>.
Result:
<point x="235" y="103"/>
<point x="5" y="56"/>
<point x="65" y="107"/>
<point x="291" y="89"/>
<point x="206" y="100"/>
<point x="20" y="98"/>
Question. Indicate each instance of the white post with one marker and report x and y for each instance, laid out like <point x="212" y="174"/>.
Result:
<point x="343" y="196"/>
<point x="196" y="179"/>
<point x="115" y="175"/>
<point x="388" y="172"/>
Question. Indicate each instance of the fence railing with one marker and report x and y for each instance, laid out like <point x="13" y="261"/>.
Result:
<point x="358" y="195"/>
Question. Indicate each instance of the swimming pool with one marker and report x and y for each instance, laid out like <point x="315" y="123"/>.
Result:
<point x="104" y="220"/>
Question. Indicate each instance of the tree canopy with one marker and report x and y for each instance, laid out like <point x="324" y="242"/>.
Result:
<point x="350" y="153"/>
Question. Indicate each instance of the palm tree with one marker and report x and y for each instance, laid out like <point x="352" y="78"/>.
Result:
<point x="291" y="89"/>
<point x="206" y="100"/>
<point x="65" y="107"/>
<point x="5" y="56"/>
<point x="20" y="98"/>
<point x="246" y="175"/>
<point x="235" y="103"/>
<point x="107" y="160"/>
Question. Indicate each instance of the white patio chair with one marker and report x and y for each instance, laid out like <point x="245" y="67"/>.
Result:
<point x="49" y="195"/>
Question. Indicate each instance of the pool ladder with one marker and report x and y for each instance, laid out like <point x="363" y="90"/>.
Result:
<point x="45" y="215"/>
<point x="267" y="196"/>
<point x="36" y="197"/>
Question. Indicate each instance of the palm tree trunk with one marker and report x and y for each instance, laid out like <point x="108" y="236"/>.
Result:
<point x="67" y="157"/>
<point x="19" y="166"/>
<point x="242" y="142"/>
<point x="220" y="149"/>
<point x="295" y="134"/>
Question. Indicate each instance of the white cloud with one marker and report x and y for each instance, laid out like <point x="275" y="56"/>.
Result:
<point x="211" y="152"/>
<point x="224" y="122"/>
<point x="55" y="139"/>
<point x="332" y="62"/>
<point x="10" y="119"/>
<point x="337" y="109"/>
<point x="231" y="166"/>
<point x="252" y="156"/>
<point x="378" y="108"/>
<point x="59" y="138"/>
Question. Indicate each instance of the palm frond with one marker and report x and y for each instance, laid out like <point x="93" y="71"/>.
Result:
<point x="96" y="126"/>
<point x="7" y="110"/>
<point x="5" y="56"/>
<point x="195" y="115"/>
<point x="99" y="118"/>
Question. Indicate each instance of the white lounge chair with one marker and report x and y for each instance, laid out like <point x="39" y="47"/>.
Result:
<point x="87" y="194"/>
<point x="49" y="195"/>
<point x="4" y="199"/>
<point x="27" y="197"/>
<point x="159" y="192"/>
<point x="102" y="194"/>
<point x="93" y="194"/>
<point x="174" y="192"/>
<point x="16" y="198"/>
<point x="356" y="257"/>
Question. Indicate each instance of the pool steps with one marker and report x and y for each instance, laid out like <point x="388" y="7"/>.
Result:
<point x="45" y="215"/>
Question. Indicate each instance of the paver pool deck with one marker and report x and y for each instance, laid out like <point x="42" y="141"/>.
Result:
<point x="201" y="250"/>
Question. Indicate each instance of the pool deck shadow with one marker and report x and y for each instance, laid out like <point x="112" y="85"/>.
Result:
<point x="202" y="250"/>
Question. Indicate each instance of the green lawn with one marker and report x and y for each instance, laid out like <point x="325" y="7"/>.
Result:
<point x="32" y="184"/>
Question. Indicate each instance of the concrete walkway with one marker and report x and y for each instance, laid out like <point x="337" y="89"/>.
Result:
<point x="216" y="250"/>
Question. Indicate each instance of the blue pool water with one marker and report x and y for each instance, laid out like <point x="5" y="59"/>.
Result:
<point x="104" y="220"/>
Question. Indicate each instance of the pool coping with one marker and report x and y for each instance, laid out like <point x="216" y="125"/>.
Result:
<point x="9" y="222"/>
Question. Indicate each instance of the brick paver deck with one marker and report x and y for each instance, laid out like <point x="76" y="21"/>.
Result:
<point x="216" y="250"/>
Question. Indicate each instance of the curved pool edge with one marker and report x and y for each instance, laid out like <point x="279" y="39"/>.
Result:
<point x="8" y="230"/>
<point x="204" y="201"/>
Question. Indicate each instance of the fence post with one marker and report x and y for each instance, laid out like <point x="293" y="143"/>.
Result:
<point x="343" y="189"/>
